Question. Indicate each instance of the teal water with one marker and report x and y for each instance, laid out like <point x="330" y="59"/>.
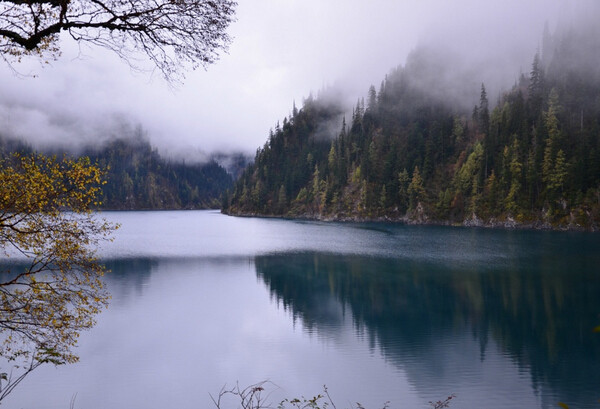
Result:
<point x="377" y="312"/>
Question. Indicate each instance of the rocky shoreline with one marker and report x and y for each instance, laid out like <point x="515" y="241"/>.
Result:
<point x="419" y="218"/>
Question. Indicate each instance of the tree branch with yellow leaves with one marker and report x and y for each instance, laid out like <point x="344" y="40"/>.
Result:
<point x="53" y="289"/>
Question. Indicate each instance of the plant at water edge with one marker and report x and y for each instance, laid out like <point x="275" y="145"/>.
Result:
<point x="251" y="397"/>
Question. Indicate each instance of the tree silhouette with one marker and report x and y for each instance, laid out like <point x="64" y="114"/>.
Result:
<point x="170" y="33"/>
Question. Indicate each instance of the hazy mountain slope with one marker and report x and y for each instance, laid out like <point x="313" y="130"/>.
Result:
<point x="413" y="151"/>
<point x="139" y="178"/>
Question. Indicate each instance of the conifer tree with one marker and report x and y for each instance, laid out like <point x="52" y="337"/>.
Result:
<point x="372" y="101"/>
<point x="281" y="199"/>
<point x="483" y="111"/>
<point x="548" y="164"/>
<point x="383" y="198"/>
<point x="536" y="86"/>
<point x="416" y="190"/>
<point x="403" y="198"/>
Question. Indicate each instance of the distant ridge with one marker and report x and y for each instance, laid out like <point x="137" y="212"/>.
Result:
<point x="139" y="178"/>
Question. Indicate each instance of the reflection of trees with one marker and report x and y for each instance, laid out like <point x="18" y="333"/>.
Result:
<point x="128" y="276"/>
<point x="124" y="275"/>
<point x="542" y="315"/>
<point x="300" y="285"/>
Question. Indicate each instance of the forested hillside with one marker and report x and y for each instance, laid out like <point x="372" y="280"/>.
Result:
<point x="139" y="178"/>
<point x="412" y="152"/>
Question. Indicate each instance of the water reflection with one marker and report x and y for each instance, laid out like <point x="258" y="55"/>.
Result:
<point x="376" y="311"/>
<point x="129" y="277"/>
<point x="539" y="313"/>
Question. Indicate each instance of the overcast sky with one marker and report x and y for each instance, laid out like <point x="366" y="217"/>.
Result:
<point x="281" y="51"/>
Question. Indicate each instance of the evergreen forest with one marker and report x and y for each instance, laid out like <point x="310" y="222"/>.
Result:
<point x="413" y="151"/>
<point x="137" y="177"/>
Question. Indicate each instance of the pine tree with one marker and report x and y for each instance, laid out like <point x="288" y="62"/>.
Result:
<point x="416" y="190"/>
<point x="372" y="101"/>
<point x="552" y="126"/>
<point x="515" y="168"/>
<point x="536" y="86"/>
<point x="403" y="198"/>
<point x="383" y="198"/>
<point x="483" y="111"/>
<point x="532" y="177"/>
<point x="559" y="173"/>
<point x="547" y="45"/>
<point x="491" y="194"/>
<point x="380" y="96"/>
<point x="281" y="199"/>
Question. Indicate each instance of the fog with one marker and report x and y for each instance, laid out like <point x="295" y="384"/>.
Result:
<point x="282" y="50"/>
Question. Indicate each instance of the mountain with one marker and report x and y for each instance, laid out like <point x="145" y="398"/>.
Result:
<point x="414" y="152"/>
<point x="137" y="177"/>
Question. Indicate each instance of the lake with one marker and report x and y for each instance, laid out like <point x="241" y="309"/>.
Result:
<point x="377" y="312"/>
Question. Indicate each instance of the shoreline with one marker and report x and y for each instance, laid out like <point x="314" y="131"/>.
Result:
<point x="493" y="223"/>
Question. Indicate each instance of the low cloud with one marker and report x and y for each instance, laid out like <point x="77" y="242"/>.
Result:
<point x="282" y="51"/>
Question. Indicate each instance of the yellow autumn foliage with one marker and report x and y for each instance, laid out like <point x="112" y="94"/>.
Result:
<point x="52" y="289"/>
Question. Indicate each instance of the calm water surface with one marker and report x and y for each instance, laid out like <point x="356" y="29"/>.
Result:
<point x="377" y="312"/>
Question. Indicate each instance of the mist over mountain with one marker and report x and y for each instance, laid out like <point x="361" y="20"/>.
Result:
<point x="281" y="51"/>
<point x="138" y="177"/>
<point x="429" y="145"/>
<point x="422" y="115"/>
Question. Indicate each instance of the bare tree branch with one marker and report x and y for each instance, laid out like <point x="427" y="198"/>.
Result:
<point x="170" y="33"/>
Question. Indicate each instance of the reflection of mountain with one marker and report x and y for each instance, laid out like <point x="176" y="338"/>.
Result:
<point x="540" y="316"/>
<point x="128" y="276"/>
